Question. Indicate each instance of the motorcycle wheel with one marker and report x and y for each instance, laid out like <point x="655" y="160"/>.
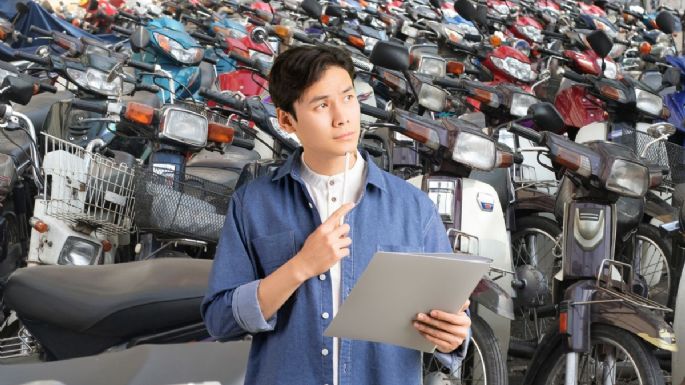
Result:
<point x="656" y="267"/>
<point x="536" y="242"/>
<point x="615" y="357"/>
<point x="483" y="363"/>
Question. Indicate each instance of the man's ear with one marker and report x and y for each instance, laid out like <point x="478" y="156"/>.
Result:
<point x="285" y="120"/>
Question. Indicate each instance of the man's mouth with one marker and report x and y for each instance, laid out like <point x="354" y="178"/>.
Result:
<point x="346" y="135"/>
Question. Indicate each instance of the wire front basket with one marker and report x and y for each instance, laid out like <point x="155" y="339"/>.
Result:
<point x="87" y="188"/>
<point x="663" y="153"/>
<point x="172" y="204"/>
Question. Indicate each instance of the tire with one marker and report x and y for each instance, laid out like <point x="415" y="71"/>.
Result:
<point x="547" y="260"/>
<point x="642" y="363"/>
<point x="483" y="363"/>
<point x="657" y="266"/>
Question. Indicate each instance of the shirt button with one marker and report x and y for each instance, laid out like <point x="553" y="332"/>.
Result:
<point x="324" y="352"/>
<point x="331" y="182"/>
<point x="333" y="199"/>
<point x="324" y="315"/>
<point x="322" y="277"/>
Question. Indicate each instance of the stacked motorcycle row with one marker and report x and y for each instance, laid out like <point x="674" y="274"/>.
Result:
<point x="548" y="133"/>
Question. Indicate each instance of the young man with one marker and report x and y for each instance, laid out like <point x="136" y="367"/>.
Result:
<point x="285" y="260"/>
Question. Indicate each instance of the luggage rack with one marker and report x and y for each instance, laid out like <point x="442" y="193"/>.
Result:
<point x="21" y="345"/>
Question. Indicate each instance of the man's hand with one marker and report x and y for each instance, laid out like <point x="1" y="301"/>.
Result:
<point x="446" y="330"/>
<point x="325" y="246"/>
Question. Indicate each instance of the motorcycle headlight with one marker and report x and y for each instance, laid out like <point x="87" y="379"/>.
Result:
<point x="465" y="29"/>
<point x="432" y="98"/>
<point x="531" y="32"/>
<point x="602" y="26"/>
<point x="184" y="126"/>
<point x="175" y="49"/>
<point x="502" y="9"/>
<point x="520" y="104"/>
<point x="516" y="68"/>
<point x="95" y="80"/>
<point x="433" y="66"/>
<point x="649" y="102"/>
<point x="610" y="68"/>
<point x="475" y="151"/>
<point x="628" y="178"/>
<point x="408" y="30"/>
<point x="79" y="251"/>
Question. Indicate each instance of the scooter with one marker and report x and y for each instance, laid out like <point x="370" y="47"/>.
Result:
<point x="598" y="309"/>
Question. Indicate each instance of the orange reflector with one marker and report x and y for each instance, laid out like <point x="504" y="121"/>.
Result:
<point x="325" y="19"/>
<point x="139" y="113"/>
<point x="455" y="67"/>
<point x="219" y="133"/>
<point x="563" y="323"/>
<point x="282" y="31"/>
<point x="356" y="41"/>
<point x="645" y="48"/>
<point x="3" y="34"/>
<point x="495" y="41"/>
<point x="40" y="226"/>
<point x="163" y="42"/>
<point x="504" y="159"/>
<point x="611" y="92"/>
<point x="106" y="245"/>
<point x="483" y="95"/>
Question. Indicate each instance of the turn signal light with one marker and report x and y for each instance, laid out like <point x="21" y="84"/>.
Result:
<point x="455" y="67"/>
<point x="495" y="41"/>
<point x="645" y="48"/>
<point x="220" y="133"/>
<point x="106" y="245"/>
<point x="356" y="41"/>
<point x="504" y="159"/>
<point x="282" y="32"/>
<point x="38" y="225"/>
<point x="139" y="113"/>
<point x="563" y="323"/>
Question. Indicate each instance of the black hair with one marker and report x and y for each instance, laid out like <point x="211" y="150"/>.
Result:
<point x="298" y="68"/>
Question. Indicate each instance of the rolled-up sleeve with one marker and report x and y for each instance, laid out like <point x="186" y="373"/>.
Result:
<point x="230" y="308"/>
<point x="436" y="241"/>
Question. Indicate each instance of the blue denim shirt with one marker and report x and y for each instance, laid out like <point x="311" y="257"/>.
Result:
<point x="267" y="223"/>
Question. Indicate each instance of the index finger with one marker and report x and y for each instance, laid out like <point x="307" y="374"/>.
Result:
<point x="334" y="219"/>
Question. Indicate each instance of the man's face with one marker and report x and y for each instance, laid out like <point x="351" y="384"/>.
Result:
<point x="327" y="115"/>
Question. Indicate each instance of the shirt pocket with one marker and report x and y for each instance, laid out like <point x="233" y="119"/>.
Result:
<point x="274" y="250"/>
<point x="397" y="248"/>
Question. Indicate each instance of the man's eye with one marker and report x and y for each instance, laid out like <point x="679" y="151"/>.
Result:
<point x="349" y="97"/>
<point x="322" y="105"/>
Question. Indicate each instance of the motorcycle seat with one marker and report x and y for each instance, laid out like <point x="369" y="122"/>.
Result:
<point x="122" y="300"/>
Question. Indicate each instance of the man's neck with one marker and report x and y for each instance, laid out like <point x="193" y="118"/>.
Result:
<point x="326" y="165"/>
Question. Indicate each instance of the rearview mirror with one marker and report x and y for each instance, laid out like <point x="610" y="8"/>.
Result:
<point x="664" y="21"/>
<point x="465" y="9"/>
<point x="546" y="117"/>
<point x="140" y="38"/>
<point x="390" y="55"/>
<point x="600" y="43"/>
<point x="659" y="130"/>
<point x="312" y="8"/>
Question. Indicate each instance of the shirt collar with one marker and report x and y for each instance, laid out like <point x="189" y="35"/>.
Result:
<point x="374" y="175"/>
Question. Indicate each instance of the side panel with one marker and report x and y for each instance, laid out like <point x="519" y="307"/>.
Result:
<point x="489" y="226"/>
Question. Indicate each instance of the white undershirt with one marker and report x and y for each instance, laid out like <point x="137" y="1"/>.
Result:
<point x="326" y="191"/>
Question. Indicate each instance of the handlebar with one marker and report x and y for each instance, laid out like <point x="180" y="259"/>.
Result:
<point x="223" y="98"/>
<point x="88" y="105"/>
<point x="526" y="132"/>
<point x="32" y="58"/>
<point x="375" y="112"/>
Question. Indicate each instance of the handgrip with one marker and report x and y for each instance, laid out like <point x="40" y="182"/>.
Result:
<point x="40" y="31"/>
<point x="87" y="105"/>
<point x="147" y="67"/>
<point x="526" y="132"/>
<point x="375" y="112"/>
<point x="576" y="77"/>
<point x="32" y="58"/>
<point x="448" y="82"/>
<point x="121" y="30"/>
<point x="222" y="98"/>
<point x="44" y="87"/>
